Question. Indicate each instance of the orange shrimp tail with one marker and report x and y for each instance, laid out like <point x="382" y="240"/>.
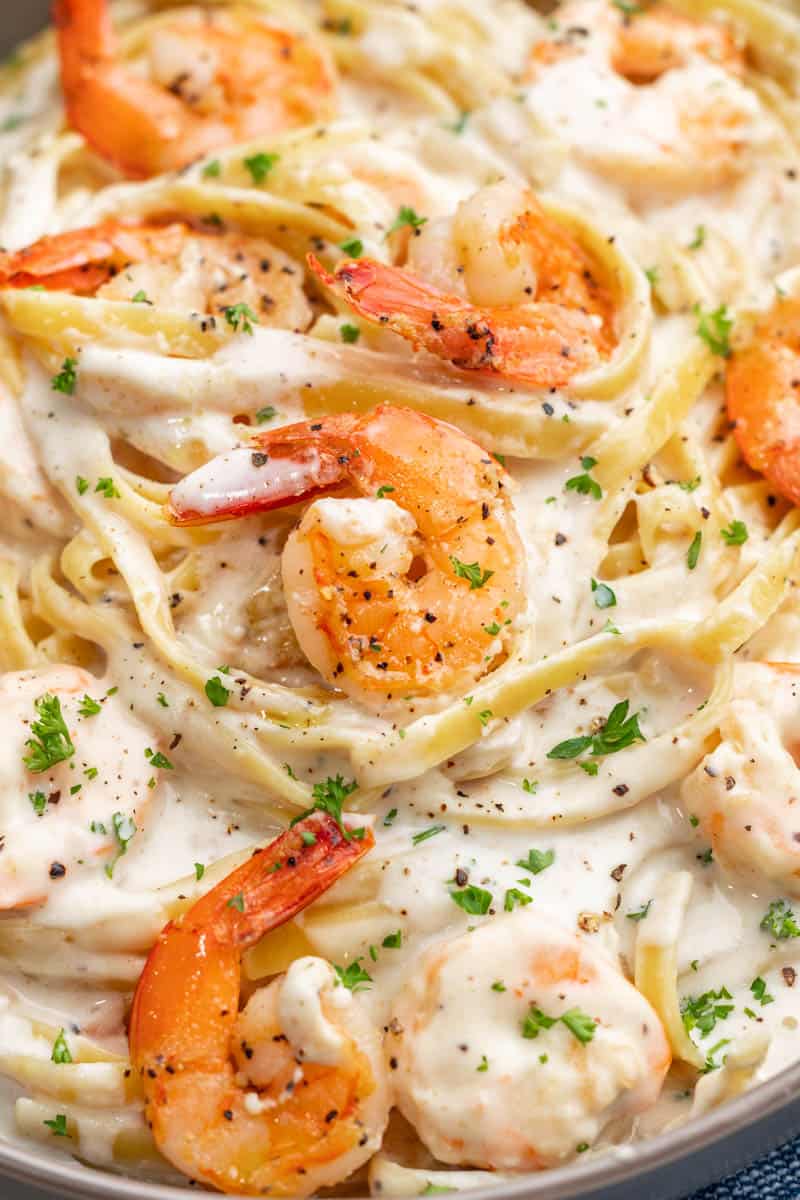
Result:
<point x="541" y="344"/>
<point x="82" y="260"/>
<point x="274" y="885"/>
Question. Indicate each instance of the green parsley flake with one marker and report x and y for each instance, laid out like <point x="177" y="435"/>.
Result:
<point x="58" y="1125"/>
<point x="736" y="534"/>
<point x="537" y="861"/>
<point x="267" y="413"/>
<point x="530" y="786"/>
<point x="199" y="871"/>
<point x="498" y="986"/>
<point x="471" y="572"/>
<point x="639" y="914"/>
<point x="515" y="897"/>
<point x="393" y="941"/>
<point x="384" y="490"/>
<point x="427" y="833"/>
<point x="81" y="485"/>
<point x="89" y="707"/>
<point x="308" y="838"/>
<point x="240" y="317"/>
<point x="67" y="378"/>
<point x="353" y="976"/>
<point x="484" y="1064"/>
<point x="714" y="329"/>
<point x="140" y="298"/>
<point x="759" y="989"/>
<point x="349" y="334"/>
<point x="583" y="484"/>
<point x="158" y="760"/>
<point x="603" y="595"/>
<point x="405" y="217"/>
<point x="618" y="733"/>
<point x="390" y="817"/>
<point x="779" y="920"/>
<point x="260" y="165"/>
<point x="60" y="1052"/>
<point x="693" y="553"/>
<point x="354" y="247"/>
<point x="698" y="239"/>
<point x="474" y="900"/>
<point x="329" y="797"/>
<point x="106" y="486"/>
<point x="51" y="742"/>
<point x="38" y="802"/>
<point x="236" y="902"/>
<point x="703" y="1012"/>
<point x="216" y="692"/>
<point x="124" y="829"/>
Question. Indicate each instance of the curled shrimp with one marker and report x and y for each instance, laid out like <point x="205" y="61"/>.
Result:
<point x="513" y="1046"/>
<point x="499" y="287"/>
<point x="411" y="587"/>
<point x="650" y="95"/>
<point x="215" y="78"/>
<point x="745" y="795"/>
<point x="289" y="1094"/>
<point x="762" y="393"/>
<point x="169" y="264"/>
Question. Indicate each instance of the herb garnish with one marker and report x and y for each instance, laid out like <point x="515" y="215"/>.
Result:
<point x="353" y="976"/>
<point x="60" y="1052"/>
<point x="537" y="861"/>
<point x="639" y="914"/>
<point x="405" y="217"/>
<point x="329" y="797"/>
<point x="618" y="733"/>
<point x="703" y="1012"/>
<point x="354" y="247"/>
<point x="349" y="334"/>
<point x="759" y="989"/>
<point x="89" y="707"/>
<point x="260" y="165"/>
<point x="693" y="553"/>
<point x="216" y="692"/>
<point x="474" y="900"/>
<point x="714" y="328"/>
<point x="515" y="897"/>
<point x="578" y="1023"/>
<point x="58" y="1125"/>
<point x="427" y="833"/>
<point x="472" y="572"/>
<point x="158" y="760"/>
<point x="124" y="830"/>
<point x="51" y="742"/>
<point x="603" y="595"/>
<point x="108" y="488"/>
<point x="240" y="316"/>
<point x="67" y="377"/>
<point x="584" y="484"/>
<point x="779" y="920"/>
<point x="736" y="534"/>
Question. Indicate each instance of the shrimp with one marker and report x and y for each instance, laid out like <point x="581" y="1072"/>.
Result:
<point x="653" y="97"/>
<point x="74" y="781"/>
<point x="410" y="588"/>
<point x="745" y="795"/>
<point x="499" y="287"/>
<point x="513" y="1046"/>
<point x="215" y="79"/>
<point x="762" y="393"/>
<point x="288" y="1095"/>
<point x="171" y="265"/>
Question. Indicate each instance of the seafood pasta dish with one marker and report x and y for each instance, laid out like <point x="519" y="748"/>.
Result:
<point x="399" y="583"/>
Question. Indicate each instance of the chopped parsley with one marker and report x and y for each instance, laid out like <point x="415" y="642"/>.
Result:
<point x="498" y="986"/>
<point x="603" y="595"/>
<point x="436" y="1189"/>
<point x="703" y="1012"/>
<point x="393" y="941"/>
<point x="474" y="900"/>
<point x="329" y="797"/>
<point x="471" y="572"/>
<point x="89" y="707"/>
<point x="618" y="733"/>
<point x="651" y="274"/>
<point x="583" y="484"/>
<point x="308" y="838"/>
<point x="106" y="486"/>
<point x="485" y="716"/>
<point x="390" y="817"/>
<point x="537" y="861"/>
<point x="427" y="833"/>
<point x="693" y="553"/>
<point x="384" y="490"/>
<point x="158" y="760"/>
<point x="779" y="920"/>
<point x="81" y="485"/>
<point x="759" y="989"/>
<point x="199" y="871"/>
<point x="689" y="485"/>
<point x="535" y="1022"/>
<point x="240" y="316"/>
<point x="236" y="902"/>
<point x="353" y="976"/>
<point x="354" y="247"/>
<point x="736" y="534"/>
<point x="58" y="1125"/>
<point x="714" y="329"/>
<point x="260" y="165"/>
<point x="515" y="897"/>
<point x="460" y="125"/>
<point x="141" y="298"/>
<point x="492" y="630"/>
<point x="405" y="217"/>
<point x="213" y="169"/>
<point x="639" y="914"/>
<point x="267" y="413"/>
<point x="349" y="334"/>
<point x="51" y="742"/>
<point x="216" y="692"/>
<point x="578" y="1023"/>
<point x="162" y="700"/>
<point x="60" y="1052"/>
<point x="530" y="786"/>
<point x="98" y="827"/>
<point x="698" y="239"/>
<point x="484" y="1064"/>
<point x="67" y="377"/>
<point x="124" y="829"/>
<point x="38" y="802"/>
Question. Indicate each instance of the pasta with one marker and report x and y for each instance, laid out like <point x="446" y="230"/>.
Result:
<point x="397" y="457"/>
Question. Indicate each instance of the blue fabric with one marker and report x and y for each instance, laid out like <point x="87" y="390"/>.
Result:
<point x="775" y="1177"/>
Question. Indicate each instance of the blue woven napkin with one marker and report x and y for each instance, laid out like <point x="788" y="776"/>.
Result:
<point x="775" y="1177"/>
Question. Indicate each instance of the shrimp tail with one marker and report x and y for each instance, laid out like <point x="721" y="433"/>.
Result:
<point x="281" y="467"/>
<point x="541" y="343"/>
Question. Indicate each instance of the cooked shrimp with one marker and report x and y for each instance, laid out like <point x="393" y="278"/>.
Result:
<point x="762" y="392"/>
<point x="513" y="1046"/>
<point x="73" y="781"/>
<point x="214" y="79"/>
<point x="413" y="586"/>
<point x="172" y="265"/>
<point x="290" y="1094"/>
<point x="499" y="287"/>
<point x="652" y="94"/>
<point x="746" y="793"/>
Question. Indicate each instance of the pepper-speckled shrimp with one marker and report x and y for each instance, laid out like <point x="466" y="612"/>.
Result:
<point x="288" y="1095"/>
<point x="215" y="78"/>
<point x="499" y="287"/>
<point x="762" y="392"/>
<point x="171" y="265"/>
<point x="413" y="586"/>
<point x="514" y="1045"/>
<point x="746" y="793"/>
